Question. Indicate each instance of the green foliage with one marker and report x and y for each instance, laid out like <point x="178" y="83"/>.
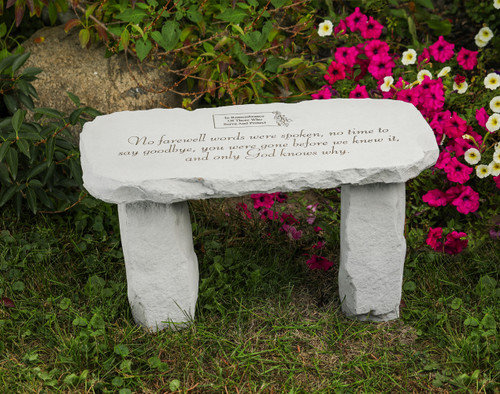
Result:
<point x="39" y="159"/>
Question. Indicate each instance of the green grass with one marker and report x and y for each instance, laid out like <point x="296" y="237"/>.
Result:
<point x="264" y="322"/>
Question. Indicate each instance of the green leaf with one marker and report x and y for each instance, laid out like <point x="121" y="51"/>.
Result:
<point x="456" y="303"/>
<point x="11" y="159"/>
<point x="425" y="3"/>
<point x="31" y="198"/>
<point x="117" y="381"/>
<point x="17" y="119"/>
<point x="194" y="15"/>
<point x="174" y="385"/>
<point x="440" y="27"/>
<point x="84" y="37"/>
<point x="24" y="147"/>
<point x="256" y="40"/>
<point x="18" y="286"/>
<point x="74" y="98"/>
<point x="230" y="15"/>
<point x="3" y="149"/>
<point x="169" y="36"/>
<point x="135" y="15"/>
<point x="71" y="379"/>
<point x="97" y="321"/>
<point x="278" y="3"/>
<point x="80" y="322"/>
<point x="488" y="322"/>
<point x="3" y="30"/>
<point x="292" y="63"/>
<point x="64" y="303"/>
<point x="142" y="48"/>
<point x="19" y="61"/>
<point x="410" y="286"/>
<point x="49" y="149"/>
<point x="36" y="170"/>
<point x="121" y="350"/>
<point x="125" y="38"/>
<point x="7" y="194"/>
<point x="50" y="112"/>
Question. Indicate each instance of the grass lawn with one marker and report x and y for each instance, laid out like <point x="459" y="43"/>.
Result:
<point x="264" y="323"/>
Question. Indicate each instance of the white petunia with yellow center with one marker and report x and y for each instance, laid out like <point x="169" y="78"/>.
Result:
<point x="409" y="57"/>
<point x="386" y="86"/>
<point x="496" y="4"/>
<point x="496" y="156"/>
<point x="480" y="43"/>
<point x="422" y="74"/>
<point x="460" y="87"/>
<point x="492" y="81"/>
<point x="495" y="104"/>
<point x="485" y="34"/>
<point x="493" y="123"/>
<point x="325" y="29"/>
<point x="444" y="72"/>
<point x="472" y="156"/>
<point x="482" y="171"/>
<point x="494" y="168"/>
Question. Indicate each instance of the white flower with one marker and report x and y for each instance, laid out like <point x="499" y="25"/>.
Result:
<point x="495" y="103"/>
<point x="492" y="81"/>
<point x="480" y="43"/>
<point x="493" y="123"/>
<point x="485" y="34"/>
<point x="422" y="74"/>
<point x="386" y="86"/>
<point x="496" y="4"/>
<point x="444" y="72"/>
<point x="472" y="156"/>
<point x="494" y="168"/>
<point x="482" y="171"/>
<point x="496" y="156"/>
<point x="460" y="87"/>
<point x="409" y="57"/>
<point x="325" y="28"/>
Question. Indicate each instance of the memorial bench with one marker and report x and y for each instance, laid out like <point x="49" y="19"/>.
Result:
<point x="151" y="162"/>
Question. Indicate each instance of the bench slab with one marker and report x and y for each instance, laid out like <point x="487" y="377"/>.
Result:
<point x="151" y="162"/>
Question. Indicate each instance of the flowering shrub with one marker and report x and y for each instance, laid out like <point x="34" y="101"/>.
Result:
<point x="452" y="90"/>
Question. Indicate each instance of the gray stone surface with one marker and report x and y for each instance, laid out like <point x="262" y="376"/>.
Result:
<point x="372" y="250"/>
<point x="161" y="266"/>
<point x="108" y="85"/>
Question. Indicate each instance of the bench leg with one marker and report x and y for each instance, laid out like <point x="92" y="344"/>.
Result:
<point x="372" y="250"/>
<point x="161" y="266"/>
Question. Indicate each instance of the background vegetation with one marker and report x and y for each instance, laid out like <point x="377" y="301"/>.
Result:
<point x="264" y="321"/>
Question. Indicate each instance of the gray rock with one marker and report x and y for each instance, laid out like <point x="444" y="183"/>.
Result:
<point x="107" y="84"/>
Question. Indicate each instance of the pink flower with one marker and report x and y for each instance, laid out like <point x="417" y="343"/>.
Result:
<point x="381" y="66"/>
<point x="359" y="92"/>
<point x="467" y="59"/>
<point x="433" y="238"/>
<point x="341" y="28"/>
<point x="376" y="47"/>
<point x="242" y="207"/>
<point x="372" y="29"/>
<point x="467" y="201"/>
<point x="443" y="160"/>
<point x="336" y="72"/>
<point x="425" y="56"/>
<point x="318" y="245"/>
<point x="435" y="198"/>
<point x="267" y="214"/>
<point x="279" y="196"/>
<point x="407" y="95"/>
<point x="292" y="232"/>
<point x="442" y="50"/>
<point x="317" y="229"/>
<point x="346" y="56"/>
<point x="457" y="172"/>
<point x="356" y="20"/>
<point x="319" y="262"/>
<point x="324" y="93"/>
<point x="455" y="126"/>
<point x="455" y="243"/>
<point x="262" y="200"/>
<point x="288" y="218"/>
<point x="496" y="179"/>
<point x="482" y="117"/>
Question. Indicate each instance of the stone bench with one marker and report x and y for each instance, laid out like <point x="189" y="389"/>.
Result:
<point x="151" y="162"/>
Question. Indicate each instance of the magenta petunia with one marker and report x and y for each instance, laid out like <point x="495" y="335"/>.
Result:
<point x="455" y="243"/>
<point x="376" y="47"/>
<point x="291" y="231"/>
<point x="356" y="20"/>
<point x="381" y="66"/>
<point x="455" y="126"/>
<point x="442" y="50"/>
<point x="323" y="94"/>
<point x="467" y="59"/>
<point x="457" y="172"/>
<point x="288" y="218"/>
<point x="262" y="200"/>
<point x="467" y="201"/>
<point x="443" y="160"/>
<point x="336" y="72"/>
<point x="424" y="57"/>
<point x="372" y="29"/>
<point x="359" y="92"/>
<point x="433" y="238"/>
<point x="319" y="262"/>
<point x="346" y="56"/>
<point x="341" y="28"/>
<point x="496" y="179"/>
<point x="435" y="198"/>
<point x="482" y="117"/>
<point x="242" y="207"/>
<point x="279" y="196"/>
<point x="267" y="214"/>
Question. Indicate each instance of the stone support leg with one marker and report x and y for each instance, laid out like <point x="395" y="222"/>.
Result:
<point x="372" y="250"/>
<point x="162" y="268"/>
